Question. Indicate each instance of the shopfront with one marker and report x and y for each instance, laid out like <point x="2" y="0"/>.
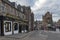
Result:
<point x="11" y="26"/>
<point x="16" y="27"/>
<point x="7" y="27"/>
<point x="20" y="28"/>
<point x="23" y="28"/>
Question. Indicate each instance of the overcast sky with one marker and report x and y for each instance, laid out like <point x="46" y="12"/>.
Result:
<point x="40" y="7"/>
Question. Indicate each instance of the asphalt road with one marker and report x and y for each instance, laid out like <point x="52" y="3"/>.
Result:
<point x="35" y="35"/>
<point x="43" y="35"/>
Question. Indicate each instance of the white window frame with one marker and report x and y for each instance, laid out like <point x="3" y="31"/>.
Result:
<point x="16" y="31"/>
<point x="7" y="33"/>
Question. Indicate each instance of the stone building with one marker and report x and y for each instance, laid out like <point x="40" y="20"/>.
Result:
<point x="29" y="17"/>
<point x="47" y="21"/>
<point x="32" y="21"/>
<point x="24" y="26"/>
<point x="12" y="19"/>
<point x="58" y="24"/>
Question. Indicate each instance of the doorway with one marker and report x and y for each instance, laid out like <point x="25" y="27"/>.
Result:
<point x="16" y="26"/>
<point x="20" y="28"/>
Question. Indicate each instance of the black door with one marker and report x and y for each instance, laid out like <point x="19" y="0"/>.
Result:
<point x="20" y="28"/>
<point x="27" y="28"/>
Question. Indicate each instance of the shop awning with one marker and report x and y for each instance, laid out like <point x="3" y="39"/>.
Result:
<point x="22" y="23"/>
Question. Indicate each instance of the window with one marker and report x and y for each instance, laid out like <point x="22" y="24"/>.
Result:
<point x="10" y="9"/>
<point x="15" y="26"/>
<point x="22" y="9"/>
<point x="3" y="6"/>
<point x="7" y="26"/>
<point x="21" y="15"/>
<point x="16" y="13"/>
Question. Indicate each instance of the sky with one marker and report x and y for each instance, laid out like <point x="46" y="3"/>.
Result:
<point x="40" y="7"/>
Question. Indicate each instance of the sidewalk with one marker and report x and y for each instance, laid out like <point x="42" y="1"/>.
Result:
<point x="16" y="36"/>
<point x="54" y="32"/>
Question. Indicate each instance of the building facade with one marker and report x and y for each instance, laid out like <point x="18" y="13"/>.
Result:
<point x="32" y="21"/>
<point x="38" y="25"/>
<point x="29" y="17"/>
<point x="47" y="21"/>
<point x="12" y="19"/>
<point x="58" y="24"/>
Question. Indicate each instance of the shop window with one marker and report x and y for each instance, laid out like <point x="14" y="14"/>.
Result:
<point x="15" y="26"/>
<point x="7" y="26"/>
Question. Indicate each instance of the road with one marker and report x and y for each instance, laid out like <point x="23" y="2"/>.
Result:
<point x="34" y="35"/>
<point x="43" y="35"/>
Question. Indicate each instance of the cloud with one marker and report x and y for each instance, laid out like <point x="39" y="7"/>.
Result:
<point x="12" y="0"/>
<point x="37" y="17"/>
<point x="38" y="4"/>
<point x="49" y="5"/>
<point x="56" y="17"/>
<point x="21" y="2"/>
<point x="24" y="2"/>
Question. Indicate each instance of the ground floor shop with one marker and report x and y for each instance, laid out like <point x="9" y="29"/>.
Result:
<point x="10" y="26"/>
<point x="23" y="28"/>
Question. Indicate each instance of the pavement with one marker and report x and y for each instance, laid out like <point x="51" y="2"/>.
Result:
<point x="34" y="35"/>
<point x="19" y="36"/>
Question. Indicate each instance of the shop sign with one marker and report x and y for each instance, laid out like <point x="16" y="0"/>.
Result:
<point x="13" y="16"/>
